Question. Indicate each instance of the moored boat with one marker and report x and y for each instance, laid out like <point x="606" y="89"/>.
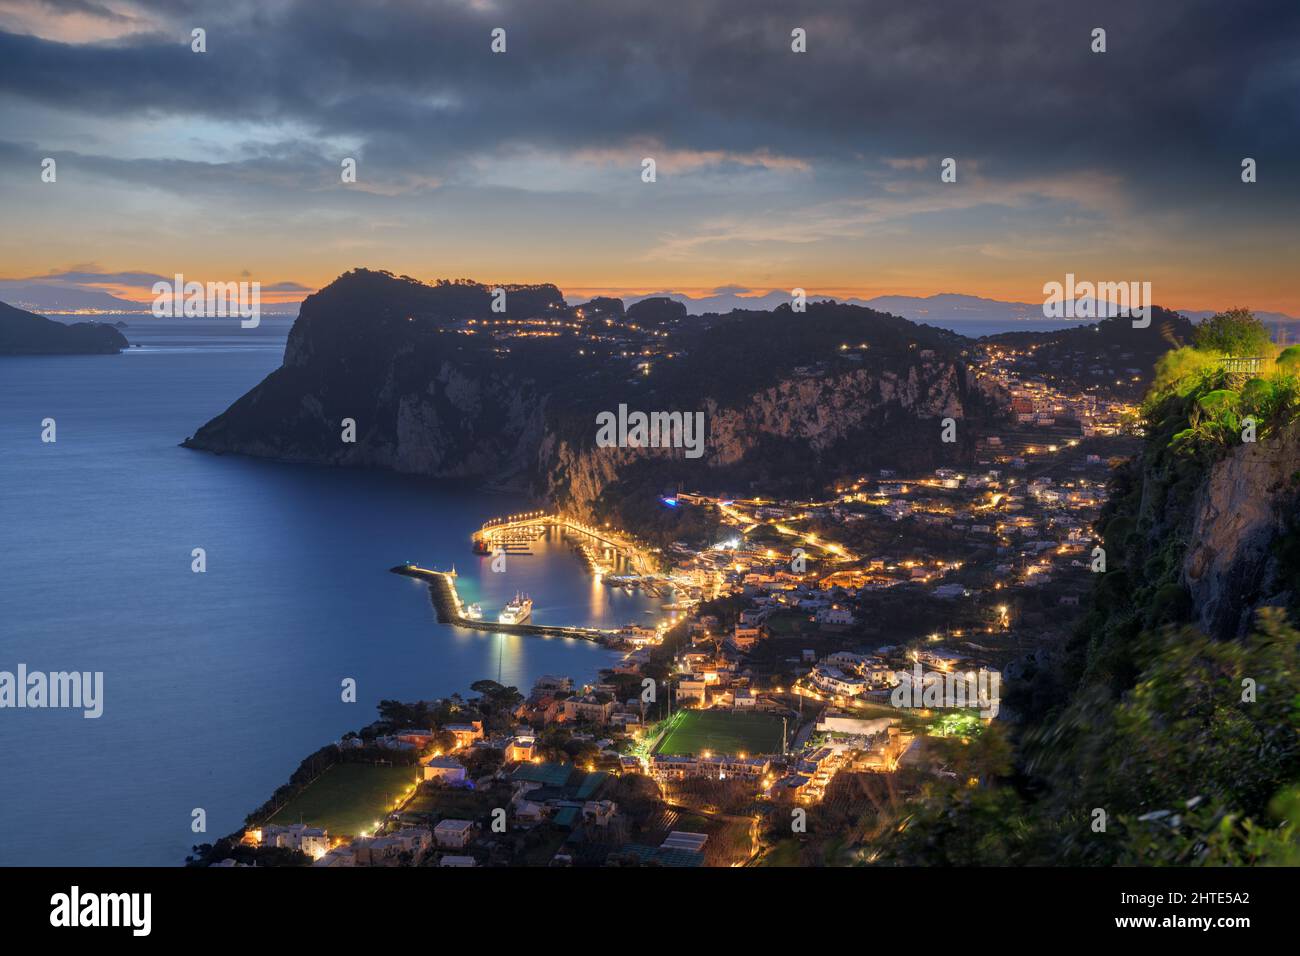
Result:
<point x="517" y="611"/>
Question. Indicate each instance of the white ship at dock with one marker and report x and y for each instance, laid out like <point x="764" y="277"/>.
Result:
<point x="517" y="611"/>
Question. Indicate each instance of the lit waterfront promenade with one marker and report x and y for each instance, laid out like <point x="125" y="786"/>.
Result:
<point x="505" y="530"/>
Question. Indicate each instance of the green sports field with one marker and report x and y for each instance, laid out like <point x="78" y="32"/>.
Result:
<point x="693" y="732"/>
<point x="348" y="797"/>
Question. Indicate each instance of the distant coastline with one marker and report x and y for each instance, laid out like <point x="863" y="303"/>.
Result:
<point x="25" y="333"/>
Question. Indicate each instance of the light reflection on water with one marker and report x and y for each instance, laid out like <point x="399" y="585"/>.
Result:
<point x="216" y="685"/>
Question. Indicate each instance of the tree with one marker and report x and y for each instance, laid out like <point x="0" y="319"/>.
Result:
<point x="482" y="761"/>
<point x="582" y="753"/>
<point x="497" y="703"/>
<point x="1288" y="360"/>
<point x="1190" y="769"/>
<point x="1235" y="332"/>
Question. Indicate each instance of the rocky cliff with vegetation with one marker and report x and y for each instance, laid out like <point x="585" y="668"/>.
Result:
<point x="1171" y="734"/>
<point x="1243" y="545"/>
<point x="793" y="434"/>
<point x="440" y="385"/>
<point x="24" y="333"/>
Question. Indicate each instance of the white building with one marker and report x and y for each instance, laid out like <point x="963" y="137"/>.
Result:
<point x="834" y="615"/>
<point x="835" y="681"/>
<point x="716" y="767"/>
<point x="839" y="723"/>
<point x="694" y="688"/>
<point x="454" y="834"/>
<point x="446" y="769"/>
<point x="314" y="841"/>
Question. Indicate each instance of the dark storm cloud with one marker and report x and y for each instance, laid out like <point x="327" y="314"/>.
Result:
<point x="259" y="177"/>
<point x="1012" y="86"/>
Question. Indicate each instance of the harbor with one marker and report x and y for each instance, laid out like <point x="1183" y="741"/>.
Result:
<point x="599" y="546"/>
<point x="614" y="560"/>
<point x="451" y="610"/>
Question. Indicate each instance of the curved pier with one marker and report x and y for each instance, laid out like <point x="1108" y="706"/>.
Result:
<point x="514" y="529"/>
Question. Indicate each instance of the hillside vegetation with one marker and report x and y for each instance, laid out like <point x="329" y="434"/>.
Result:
<point x="1154" y="743"/>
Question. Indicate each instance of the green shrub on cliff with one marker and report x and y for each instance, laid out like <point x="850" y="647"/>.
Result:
<point x="1288" y="360"/>
<point x="1273" y="401"/>
<point x="1234" y="332"/>
<point x="1180" y="371"/>
<point x="1200" y="408"/>
<point x="1192" y="766"/>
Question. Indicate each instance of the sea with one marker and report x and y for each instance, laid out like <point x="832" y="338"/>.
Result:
<point x="216" y="684"/>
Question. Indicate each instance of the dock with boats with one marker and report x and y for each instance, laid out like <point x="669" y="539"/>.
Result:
<point x="514" y="534"/>
<point x="451" y="610"/>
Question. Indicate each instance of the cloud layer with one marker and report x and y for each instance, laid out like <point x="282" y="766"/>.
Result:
<point x="772" y="166"/>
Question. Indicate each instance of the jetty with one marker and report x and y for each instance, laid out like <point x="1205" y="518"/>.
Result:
<point x="450" y="610"/>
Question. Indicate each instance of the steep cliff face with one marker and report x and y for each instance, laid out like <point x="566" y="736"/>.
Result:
<point x="430" y="393"/>
<point x="378" y="351"/>
<point x="426" y="418"/>
<point x="1195" y="534"/>
<point x="819" y="415"/>
<point x="1244" y="515"/>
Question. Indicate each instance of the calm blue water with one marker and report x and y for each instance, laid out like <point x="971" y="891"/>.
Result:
<point x="217" y="684"/>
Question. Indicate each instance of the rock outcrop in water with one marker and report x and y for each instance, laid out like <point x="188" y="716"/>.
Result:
<point x="25" y="333"/>
<point x="440" y="385"/>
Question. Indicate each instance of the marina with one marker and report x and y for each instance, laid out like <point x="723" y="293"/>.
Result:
<point x="600" y="548"/>
<point x="513" y="534"/>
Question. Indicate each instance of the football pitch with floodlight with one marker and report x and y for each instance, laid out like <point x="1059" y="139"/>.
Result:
<point x="695" y="732"/>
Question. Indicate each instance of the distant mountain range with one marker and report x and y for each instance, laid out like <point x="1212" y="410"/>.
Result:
<point x="57" y="298"/>
<point x="49" y="299"/>
<point x="944" y="309"/>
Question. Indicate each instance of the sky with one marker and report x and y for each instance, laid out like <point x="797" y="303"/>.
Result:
<point x="774" y="169"/>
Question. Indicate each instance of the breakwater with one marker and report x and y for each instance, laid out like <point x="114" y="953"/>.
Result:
<point x="450" y="610"/>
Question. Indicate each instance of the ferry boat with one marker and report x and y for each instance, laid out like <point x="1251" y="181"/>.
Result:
<point x="517" y="611"/>
<point x="474" y="612"/>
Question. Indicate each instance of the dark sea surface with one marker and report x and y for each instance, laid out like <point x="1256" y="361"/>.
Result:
<point x="217" y="684"/>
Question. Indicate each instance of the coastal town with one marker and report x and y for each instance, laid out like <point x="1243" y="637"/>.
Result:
<point x="484" y="437"/>
<point x="814" y="664"/>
